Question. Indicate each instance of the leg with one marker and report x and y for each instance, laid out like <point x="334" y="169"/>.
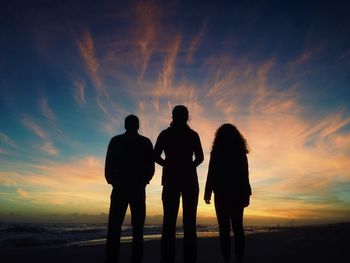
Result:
<point x="138" y="215"/>
<point x="223" y="217"/>
<point x="171" y="201"/>
<point x="237" y="226"/>
<point x="189" y="206"/>
<point x="117" y="211"/>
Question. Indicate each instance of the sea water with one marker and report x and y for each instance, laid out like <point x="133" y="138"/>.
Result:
<point x="63" y="234"/>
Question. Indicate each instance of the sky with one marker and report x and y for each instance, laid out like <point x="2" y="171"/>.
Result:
<point x="71" y="71"/>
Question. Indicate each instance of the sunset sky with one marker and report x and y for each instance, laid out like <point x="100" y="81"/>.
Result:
<point x="71" y="71"/>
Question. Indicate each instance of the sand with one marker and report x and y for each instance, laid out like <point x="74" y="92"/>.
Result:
<point x="299" y="244"/>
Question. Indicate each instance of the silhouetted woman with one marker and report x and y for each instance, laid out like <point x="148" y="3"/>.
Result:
<point x="228" y="179"/>
<point x="183" y="153"/>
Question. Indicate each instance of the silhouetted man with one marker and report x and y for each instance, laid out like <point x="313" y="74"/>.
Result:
<point x="129" y="168"/>
<point x="179" y="143"/>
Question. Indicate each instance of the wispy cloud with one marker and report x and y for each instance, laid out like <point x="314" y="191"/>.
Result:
<point x="94" y="66"/>
<point x="168" y="70"/>
<point x="7" y="140"/>
<point x="196" y="42"/>
<point x="35" y="128"/>
<point x="87" y="51"/>
<point x="148" y="16"/>
<point x="305" y="57"/>
<point x="164" y="87"/>
<point x="46" y="109"/>
<point x="79" y="92"/>
<point x="47" y="144"/>
<point x="49" y="148"/>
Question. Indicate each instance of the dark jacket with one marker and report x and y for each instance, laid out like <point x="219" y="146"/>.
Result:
<point x="129" y="160"/>
<point x="228" y="174"/>
<point x="179" y="145"/>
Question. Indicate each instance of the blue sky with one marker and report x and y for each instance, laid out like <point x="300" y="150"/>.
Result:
<point x="71" y="71"/>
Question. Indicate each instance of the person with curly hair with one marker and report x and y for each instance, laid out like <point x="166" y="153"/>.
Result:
<point x="228" y="178"/>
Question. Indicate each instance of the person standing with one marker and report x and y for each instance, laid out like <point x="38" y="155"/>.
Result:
<point x="179" y="144"/>
<point x="129" y="167"/>
<point x="228" y="178"/>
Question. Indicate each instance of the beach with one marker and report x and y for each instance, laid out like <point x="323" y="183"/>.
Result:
<point x="327" y="243"/>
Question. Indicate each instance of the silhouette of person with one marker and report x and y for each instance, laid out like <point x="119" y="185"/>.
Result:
<point x="129" y="168"/>
<point x="228" y="179"/>
<point x="179" y="144"/>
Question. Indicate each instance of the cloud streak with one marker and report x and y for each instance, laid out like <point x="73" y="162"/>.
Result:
<point x="79" y="92"/>
<point x="148" y="18"/>
<point x="7" y="140"/>
<point x="87" y="51"/>
<point x="47" y="145"/>
<point x="46" y="109"/>
<point x="194" y="45"/>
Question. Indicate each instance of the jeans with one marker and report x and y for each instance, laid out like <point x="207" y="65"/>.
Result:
<point x="171" y="202"/>
<point x="120" y="199"/>
<point x="229" y="212"/>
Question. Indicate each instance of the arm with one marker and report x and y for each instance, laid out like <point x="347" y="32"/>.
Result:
<point x="246" y="175"/>
<point x="158" y="149"/>
<point x="209" y="182"/>
<point x="109" y="164"/>
<point x="247" y="188"/>
<point x="198" y="152"/>
<point x="149" y="161"/>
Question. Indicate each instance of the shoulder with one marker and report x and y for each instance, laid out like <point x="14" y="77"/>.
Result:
<point x="144" y="139"/>
<point x="115" y="142"/>
<point x="117" y="138"/>
<point x="193" y="133"/>
<point x="164" y="133"/>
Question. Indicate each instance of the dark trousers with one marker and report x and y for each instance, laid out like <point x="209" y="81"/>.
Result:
<point x="119" y="203"/>
<point x="171" y="202"/>
<point x="230" y="211"/>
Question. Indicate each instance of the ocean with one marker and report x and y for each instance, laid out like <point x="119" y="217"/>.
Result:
<point x="77" y="234"/>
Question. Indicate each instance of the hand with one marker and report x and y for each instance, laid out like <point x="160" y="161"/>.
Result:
<point x="207" y="201"/>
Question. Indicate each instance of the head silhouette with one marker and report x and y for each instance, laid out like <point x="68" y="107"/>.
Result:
<point x="180" y="114"/>
<point x="131" y="123"/>
<point x="229" y="136"/>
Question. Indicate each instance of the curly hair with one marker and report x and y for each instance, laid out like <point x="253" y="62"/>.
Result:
<point x="228" y="136"/>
